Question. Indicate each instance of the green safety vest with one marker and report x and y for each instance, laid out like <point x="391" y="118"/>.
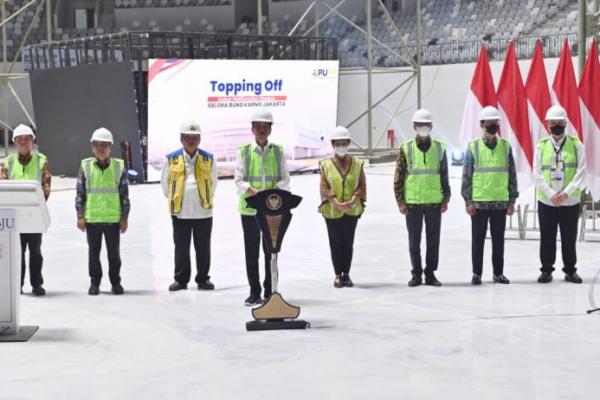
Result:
<point x="102" y="202"/>
<point x="343" y="187"/>
<point x="30" y="172"/>
<point x="490" y="170"/>
<point x="256" y="168"/>
<point x="569" y="158"/>
<point x="423" y="184"/>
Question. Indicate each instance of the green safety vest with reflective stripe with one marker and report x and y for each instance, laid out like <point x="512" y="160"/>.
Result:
<point x="490" y="170"/>
<point x="30" y="172"/>
<point x="262" y="172"/>
<point x="569" y="158"/>
<point x="423" y="184"/>
<point x="343" y="187"/>
<point x="102" y="202"/>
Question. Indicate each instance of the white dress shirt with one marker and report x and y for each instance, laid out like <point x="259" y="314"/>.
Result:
<point x="558" y="186"/>
<point x="240" y="171"/>
<point x="191" y="207"/>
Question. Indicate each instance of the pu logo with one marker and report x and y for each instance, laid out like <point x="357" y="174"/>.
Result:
<point x="7" y="224"/>
<point x="320" y="72"/>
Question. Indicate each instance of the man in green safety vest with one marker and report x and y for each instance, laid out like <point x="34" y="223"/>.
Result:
<point x="489" y="187"/>
<point x="102" y="204"/>
<point x="422" y="192"/>
<point x="260" y="165"/>
<point x="559" y="168"/>
<point x="29" y="166"/>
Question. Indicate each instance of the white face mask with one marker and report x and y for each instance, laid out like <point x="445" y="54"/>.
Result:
<point x="423" y="130"/>
<point x="341" y="150"/>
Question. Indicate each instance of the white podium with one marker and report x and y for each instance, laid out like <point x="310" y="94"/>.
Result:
<point x="22" y="210"/>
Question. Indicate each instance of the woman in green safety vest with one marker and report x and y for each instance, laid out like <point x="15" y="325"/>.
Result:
<point x="29" y="166"/>
<point x="559" y="168"/>
<point x="102" y="204"/>
<point x="343" y="196"/>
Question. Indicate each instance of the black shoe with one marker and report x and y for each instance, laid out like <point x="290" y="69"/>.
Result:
<point x="545" y="277"/>
<point x="416" y="280"/>
<point x="501" y="279"/>
<point x="266" y="296"/>
<point x="94" y="290"/>
<point x="573" y="278"/>
<point x="338" y="282"/>
<point x="37" y="291"/>
<point x="347" y="281"/>
<point x="117" y="289"/>
<point x="431" y="280"/>
<point x="175" y="286"/>
<point x="206" y="285"/>
<point x="476" y="279"/>
<point x="253" y="300"/>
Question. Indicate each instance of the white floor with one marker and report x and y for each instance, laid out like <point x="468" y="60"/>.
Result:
<point x="379" y="340"/>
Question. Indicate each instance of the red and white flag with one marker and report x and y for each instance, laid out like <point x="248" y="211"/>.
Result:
<point x="538" y="96"/>
<point x="514" y="125"/>
<point x="589" y="93"/>
<point x="481" y="94"/>
<point x="565" y="91"/>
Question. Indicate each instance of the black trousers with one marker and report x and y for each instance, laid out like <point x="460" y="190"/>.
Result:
<point x="551" y="218"/>
<point x="341" y="242"/>
<point x="414" y="223"/>
<point x="252" y="239"/>
<point x="112" y="237"/>
<point x="182" y="235"/>
<point x="33" y="241"/>
<point x="479" y="224"/>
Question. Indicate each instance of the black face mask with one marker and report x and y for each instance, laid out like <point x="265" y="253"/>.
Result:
<point x="492" y="129"/>
<point x="557" y="130"/>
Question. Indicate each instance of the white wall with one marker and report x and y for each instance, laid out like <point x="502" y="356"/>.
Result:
<point x="23" y="89"/>
<point x="444" y="91"/>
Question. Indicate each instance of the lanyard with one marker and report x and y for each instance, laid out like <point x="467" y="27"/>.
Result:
<point x="557" y="152"/>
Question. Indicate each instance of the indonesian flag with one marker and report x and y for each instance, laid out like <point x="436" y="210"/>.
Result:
<point x="589" y="94"/>
<point x="565" y="91"/>
<point x="514" y="125"/>
<point x="481" y="94"/>
<point x="538" y="96"/>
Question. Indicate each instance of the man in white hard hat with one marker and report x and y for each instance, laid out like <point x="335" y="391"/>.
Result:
<point x="31" y="166"/>
<point x="189" y="181"/>
<point x="260" y="165"/>
<point x="559" y="168"/>
<point x="102" y="204"/>
<point x="489" y="187"/>
<point x="343" y="195"/>
<point x="422" y="192"/>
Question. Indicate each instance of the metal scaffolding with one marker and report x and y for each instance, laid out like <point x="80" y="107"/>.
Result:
<point x="411" y="67"/>
<point x="7" y="75"/>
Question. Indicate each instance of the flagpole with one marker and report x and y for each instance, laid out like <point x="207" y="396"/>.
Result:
<point x="581" y="53"/>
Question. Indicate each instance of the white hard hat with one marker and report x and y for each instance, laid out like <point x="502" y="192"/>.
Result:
<point x="262" y="116"/>
<point x="340" y="133"/>
<point x="556" y="113"/>
<point x="102" y="135"/>
<point x="23" y="130"/>
<point x="422" y="115"/>
<point x="190" y="128"/>
<point x="489" y="113"/>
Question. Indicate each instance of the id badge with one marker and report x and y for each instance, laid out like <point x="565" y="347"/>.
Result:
<point x="560" y="165"/>
<point x="557" y="174"/>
